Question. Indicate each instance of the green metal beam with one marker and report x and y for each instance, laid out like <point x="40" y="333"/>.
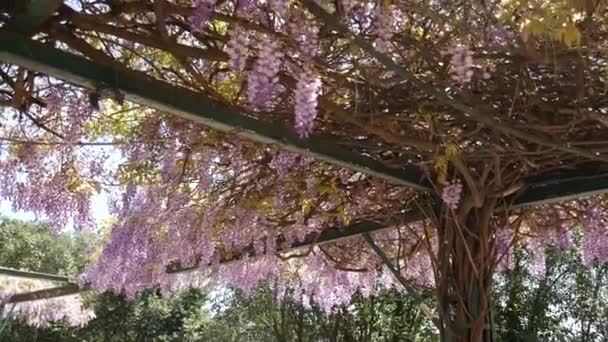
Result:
<point x="192" y="105"/>
<point x="553" y="189"/>
<point x="412" y="291"/>
<point x="53" y="292"/>
<point x="330" y="235"/>
<point x="33" y="275"/>
<point x="327" y="236"/>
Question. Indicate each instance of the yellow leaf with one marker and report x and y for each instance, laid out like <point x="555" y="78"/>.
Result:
<point x="306" y="207"/>
<point x="532" y="28"/>
<point x="451" y="151"/>
<point x="441" y="167"/>
<point x="571" y="35"/>
<point x="264" y="203"/>
<point x="327" y="188"/>
<point x="346" y="220"/>
<point x="75" y="185"/>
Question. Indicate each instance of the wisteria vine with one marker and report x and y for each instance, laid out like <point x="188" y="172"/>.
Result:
<point x="184" y="196"/>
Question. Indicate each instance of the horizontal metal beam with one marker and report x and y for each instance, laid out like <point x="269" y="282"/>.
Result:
<point x="33" y="275"/>
<point x="330" y="235"/>
<point x="53" y="292"/>
<point x="191" y="105"/>
<point x="327" y="236"/>
<point x="554" y="188"/>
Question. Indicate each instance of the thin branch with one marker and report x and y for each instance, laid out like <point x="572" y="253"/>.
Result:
<point x="443" y="97"/>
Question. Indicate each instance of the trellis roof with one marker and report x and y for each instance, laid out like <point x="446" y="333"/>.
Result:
<point x="585" y="174"/>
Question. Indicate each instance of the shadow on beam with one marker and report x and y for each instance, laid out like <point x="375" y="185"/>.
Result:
<point x="554" y="188"/>
<point x="53" y="292"/>
<point x="33" y="275"/>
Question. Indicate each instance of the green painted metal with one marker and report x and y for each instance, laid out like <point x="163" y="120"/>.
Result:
<point x="550" y="189"/>
<point x="327" y="236"/>
<point x="31" y="14"/>
<point x="33" y="275"/>
<point x="391" y="267"/>
<point x="189" y="104"/>
<point x="53" y="292"/>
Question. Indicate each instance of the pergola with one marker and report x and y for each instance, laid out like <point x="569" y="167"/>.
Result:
<point x="19" y="48"/>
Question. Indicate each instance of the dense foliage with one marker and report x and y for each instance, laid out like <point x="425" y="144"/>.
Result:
<point x="569" y="304"/>
<point x="25" y="246"/>
<point x="32" y="247"/>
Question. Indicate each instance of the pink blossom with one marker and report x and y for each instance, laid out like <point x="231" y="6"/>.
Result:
<point x="452" y="193"/>
<point x="307" y="93"/>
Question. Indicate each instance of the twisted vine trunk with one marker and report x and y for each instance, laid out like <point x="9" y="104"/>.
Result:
<point x="465" y="266"/>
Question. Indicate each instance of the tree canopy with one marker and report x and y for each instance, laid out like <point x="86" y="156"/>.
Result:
<point x="32" y="247"/>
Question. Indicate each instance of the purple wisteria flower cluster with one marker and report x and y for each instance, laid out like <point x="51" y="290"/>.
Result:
<point x="237" y="49"/>
<point x="263" y="81"/>
<point x="307" y="94"/>
<point x="202" y="14"/>
<point x="461" y="64"/>
<point x="384" y="29"/>
<point x="451" y="194"/>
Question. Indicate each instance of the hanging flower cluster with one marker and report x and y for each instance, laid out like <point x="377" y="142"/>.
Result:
<point x="384" y="29"/>
<point x="451" y="194"/>
<point x="307" y="94"/>
<point x="461" y="64"/>
<point x="202" y="14"/>
<point x="263" y="80"/>
<point x="237" y="49"/>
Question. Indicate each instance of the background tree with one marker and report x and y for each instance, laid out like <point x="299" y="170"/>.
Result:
<point x="190" y="315"/>
<point x="567" y="301"/>
<point x="32" y="247"/>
